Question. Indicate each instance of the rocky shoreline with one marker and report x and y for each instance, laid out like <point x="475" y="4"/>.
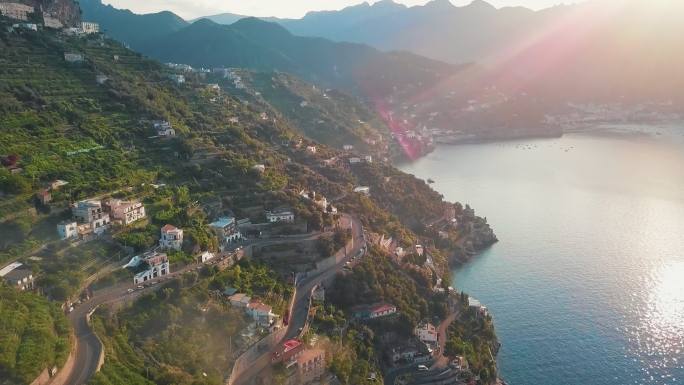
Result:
<point x="477" y="237"/>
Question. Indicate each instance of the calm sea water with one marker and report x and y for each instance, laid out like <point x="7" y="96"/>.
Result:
<point x="587" y="283"/>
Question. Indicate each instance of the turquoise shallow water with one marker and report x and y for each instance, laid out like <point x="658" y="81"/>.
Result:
<point x="587" y="283"/>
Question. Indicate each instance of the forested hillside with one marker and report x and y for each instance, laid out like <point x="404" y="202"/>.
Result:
<point x="88" y="122"/>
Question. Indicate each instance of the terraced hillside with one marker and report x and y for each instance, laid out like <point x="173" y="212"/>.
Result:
<point x="89" y="123"/>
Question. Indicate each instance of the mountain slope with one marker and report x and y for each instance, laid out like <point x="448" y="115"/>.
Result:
<point x="260" y="45"/>
<point x="128" y="27"/>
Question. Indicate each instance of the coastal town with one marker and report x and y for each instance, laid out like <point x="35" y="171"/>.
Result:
<point x="248" y="257"/>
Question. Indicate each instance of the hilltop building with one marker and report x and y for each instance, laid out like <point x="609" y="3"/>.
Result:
<point x="88" y="27"/>
<point x="16" y="11"/>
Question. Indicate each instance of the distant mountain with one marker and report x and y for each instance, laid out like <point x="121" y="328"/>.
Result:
<point x="598" y="50"/>
<point x="260" y="45"/>
<point x="128" y="27"/>
<point x="222" y="18"/>
<point x="438" y="29"/>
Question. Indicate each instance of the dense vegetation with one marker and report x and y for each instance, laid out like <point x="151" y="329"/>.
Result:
<point x="59" y="123"/>
<point x="186" y="332"/>
<point x="34" y="335"/>
<point x="473" y="337"/>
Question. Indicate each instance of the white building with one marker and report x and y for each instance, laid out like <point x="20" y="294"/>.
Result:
<point x="261" y="313"/>
<point x="156" y="265"/>
<point x="67" y="230"/>
<point x="73" y="57"/>
<point x="27" y="26"/>
<point x="427" y="333"/>
<point x="90" y="27"/>
<point x="354" y="160"/>
<point x="226" y="229"/>
<point x="347" y="147"/>
<point x="368" y="159"/>
<point x="362" y="190"/>
<point x="259" y="168"/>
<point x="280" y="215"/>
<point x="16" y="11"/>
<point x="311" y="149"/>
<point x="126" y="211"/>
<point x="171" y="237"/>
<point x="207" y="256"/>
<point x="164" y="128"/>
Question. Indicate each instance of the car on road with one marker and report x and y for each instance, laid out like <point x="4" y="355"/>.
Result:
<point x="139" y="287"/>
<point x="422" y="368"/>
<point x="130" y="290"/>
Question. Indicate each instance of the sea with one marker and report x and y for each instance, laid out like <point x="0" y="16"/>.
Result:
<point x="586" y="285"/>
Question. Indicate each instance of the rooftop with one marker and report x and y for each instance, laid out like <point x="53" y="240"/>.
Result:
<point x="223" y="222"/>
<point x="291" y="344"/>
<point x="7" y="269"/>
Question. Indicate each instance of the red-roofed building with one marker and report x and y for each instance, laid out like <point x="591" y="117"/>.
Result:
<point x="289" y="352"/>
<point x="262" y="313"/>
<point x="374" y="311"/>
<point x="171" y="237"/>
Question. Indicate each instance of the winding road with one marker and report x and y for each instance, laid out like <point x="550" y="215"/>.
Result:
<point x="300" y="307"/>
<point x="88" y="348"/>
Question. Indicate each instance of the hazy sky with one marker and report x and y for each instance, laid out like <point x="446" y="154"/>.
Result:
<point x="281" y="8"/>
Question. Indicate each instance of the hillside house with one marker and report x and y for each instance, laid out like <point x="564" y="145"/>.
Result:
<point x="126" y="211"/>
<point x="206" y="257"/>
<point x="318" y="199"/>
<point x="18" y="276"/>
<point x="426" y="333"/>
<point x="280" y="215"/>
<point x="16" y="11"/>
<point x="26" y="26"/>
<point x="73" y="57"/>
<point x="261" y="313"/>
<point x="480" y="309"/>
<point x="354" y="160"/>
<point x="240" y="300"/>
<point x="260" y="168"/>
<point x="226" y="229"/>
<point x="171" y="238"/>
<point x="365" y="190"/>
<point x="90" y="214"/>
<point x="365" y="312"/>
<point x="67" y="230"/>
<point x="347" y="147"/>
<point x="368" y="159"/>
<point x="88" y="27"/>
<point x="163" y="128"/>
<point x="154" y="264"/>
<point x="311" y="149"/>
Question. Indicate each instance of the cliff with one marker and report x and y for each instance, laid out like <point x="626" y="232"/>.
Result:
<point x="66" y="11"/>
